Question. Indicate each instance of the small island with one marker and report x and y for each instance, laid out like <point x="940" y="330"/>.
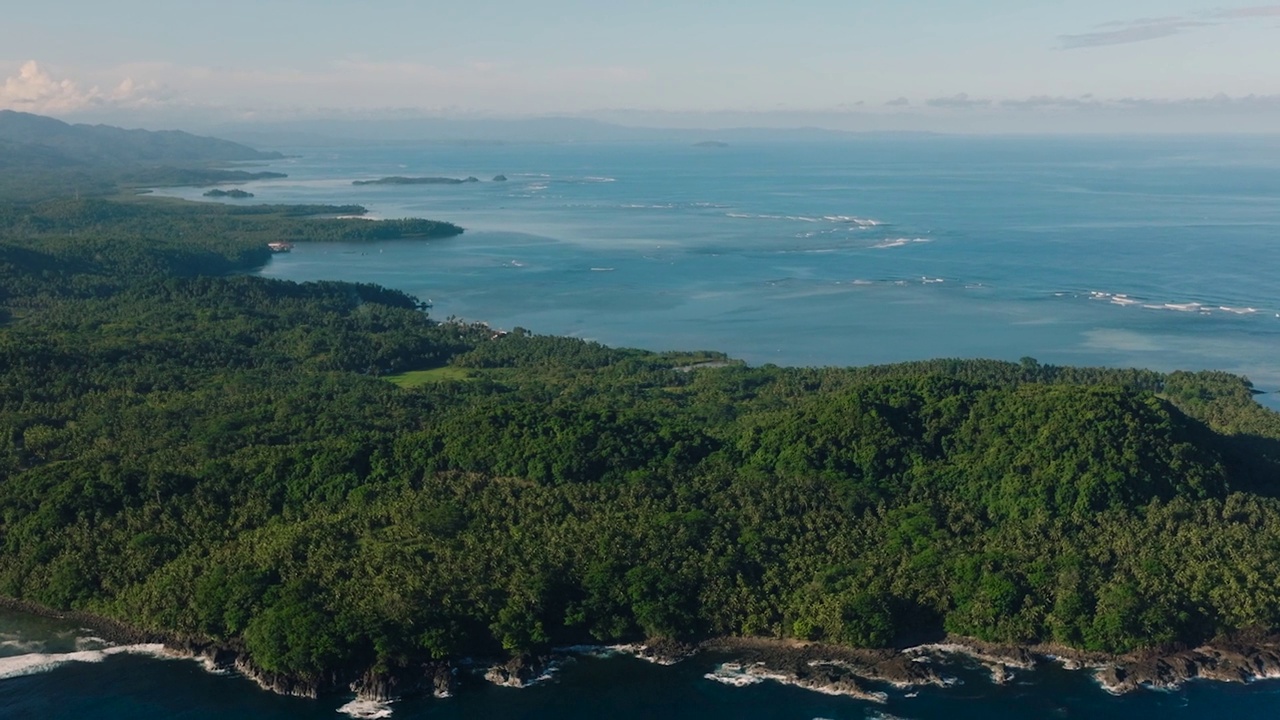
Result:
<point x="499" y="178"/>
<point x="399" y="180"/>
<point x="711" y="144"/>
<point x="234" y="193"/>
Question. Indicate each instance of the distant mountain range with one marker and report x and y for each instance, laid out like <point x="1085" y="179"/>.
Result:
<point x="28" y="140"/>
<point x="41" y="157"/>
<point x="490" y="131"/>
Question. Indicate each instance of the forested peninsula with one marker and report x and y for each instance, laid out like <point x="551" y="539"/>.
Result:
<point x="400" y="180"/>
<point x="323" y="485"/>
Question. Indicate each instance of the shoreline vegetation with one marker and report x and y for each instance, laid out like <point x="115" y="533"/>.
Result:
<point x="234" y="193"/>
<point x="857" y="673"/>
<point x="325" y="488"/>
<point x="399" y="180"/>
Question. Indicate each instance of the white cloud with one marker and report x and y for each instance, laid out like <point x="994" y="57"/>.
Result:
<point x="1130" y="32"/>
<point x="961" y="100"/>
<point x="1144" y="29"/>
<point x="35" y="90"/>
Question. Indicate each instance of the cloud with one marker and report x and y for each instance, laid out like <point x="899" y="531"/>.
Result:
<point x="1129" y="32"/>
<point x="1221" y="100"/>
<point x="1143" y="29"/>
<point x="1047" y="102"/>
<point x="957" y="101"/>
<point x="34" y="90"/>
<point x="355" y="82"/>
<point x="900" y="102"/>
<point x="1263" y="11"/>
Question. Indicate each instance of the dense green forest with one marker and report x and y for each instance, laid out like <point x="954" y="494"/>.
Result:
<point x="42" y="158"/>
<point x="221" y="456"/>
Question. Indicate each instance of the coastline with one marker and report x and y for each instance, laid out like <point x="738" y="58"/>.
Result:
<point x="818" y="667"/>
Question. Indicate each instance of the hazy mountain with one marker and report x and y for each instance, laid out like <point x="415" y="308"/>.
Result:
<point x="27" y="139"/>
<point x="339" y="131"/>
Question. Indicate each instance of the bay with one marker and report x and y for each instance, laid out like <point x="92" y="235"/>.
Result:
<point x="1156" y="253"/>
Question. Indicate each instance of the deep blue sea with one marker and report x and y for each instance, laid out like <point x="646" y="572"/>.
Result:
<point x="1159" y="253"/>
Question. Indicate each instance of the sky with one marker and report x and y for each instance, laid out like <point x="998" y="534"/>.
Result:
<point x="967" y="65"/>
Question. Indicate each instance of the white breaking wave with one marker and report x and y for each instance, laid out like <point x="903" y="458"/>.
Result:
<point x="33" y="663"/>
<point x="366" y="709"/>
<point x="24" y="647"/>
<point x="841" y="219"/>
<point x="735" y="675"/>
<point x="1184" y="307"/>
<point x="899" y="242"/>
<point x="860" y="222"/>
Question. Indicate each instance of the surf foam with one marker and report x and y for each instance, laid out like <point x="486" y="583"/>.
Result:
<point x="368" y="709"/>
<point x="33" y="663"/>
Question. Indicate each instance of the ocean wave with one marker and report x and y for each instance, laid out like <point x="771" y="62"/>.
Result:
<point x="635" y="650"/>
<point x="678" y="206"/>
<point x="22" y="646"/>
<point x="34" y="663"/>
<point x="899" y="242"/>
<point x="857" y="222"/>
<point x="739" y="675"/>
<point x="91" y="642"/>
<point x="860" y="222"/>
<point x="1191" y="306"/>
<point x="366" y="709"/>
<point x="735" y="675"/>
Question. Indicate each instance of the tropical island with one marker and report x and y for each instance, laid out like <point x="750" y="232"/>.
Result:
<point x="398" y="180"/>
<point x="326" y="488"/>
<point x="234" y="193"/>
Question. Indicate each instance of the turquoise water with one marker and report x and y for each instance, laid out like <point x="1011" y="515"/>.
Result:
<point x="1154" y="253"/>
<point x="1158" y="254"/>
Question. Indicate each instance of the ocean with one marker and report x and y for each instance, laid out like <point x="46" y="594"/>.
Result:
<point x="1158" y="253"/>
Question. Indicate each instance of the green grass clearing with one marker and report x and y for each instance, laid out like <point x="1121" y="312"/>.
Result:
<point x="414" y="378"/>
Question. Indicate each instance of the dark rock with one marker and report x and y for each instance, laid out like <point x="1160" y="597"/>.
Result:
<point x="519" y="671"/>
<point x="436" y="678"/>
<point x="499" y="178"/>
<point x="667" y="652"/>
<point x="279" y="683"/>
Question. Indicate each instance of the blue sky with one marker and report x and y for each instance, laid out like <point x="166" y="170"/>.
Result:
<point x="935" y="59"/>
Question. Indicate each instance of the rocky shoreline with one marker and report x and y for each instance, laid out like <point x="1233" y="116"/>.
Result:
<point x="829" y="669"/>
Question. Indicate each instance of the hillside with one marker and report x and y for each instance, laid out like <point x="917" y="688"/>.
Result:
<point x="223" y="460"/>
<point x="42" y="158"/>
<point x="26" y="135"/>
